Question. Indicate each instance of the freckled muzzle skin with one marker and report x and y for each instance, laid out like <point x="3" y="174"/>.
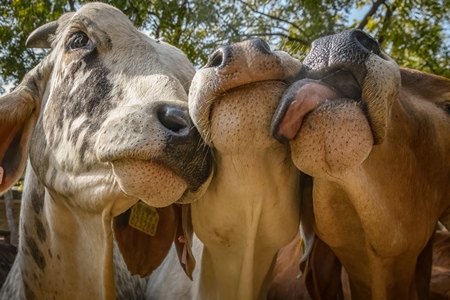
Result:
<point x="338" y="130"/>
<point x="237" y="66"/>
<point x="327" y="133"/>
<point x="159" y="164"/>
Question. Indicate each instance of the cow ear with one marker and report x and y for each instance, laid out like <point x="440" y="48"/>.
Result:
<point x="144" y="235"/>
<point x="323" y="273"/>
<point x="18" y="115"/>
<point x="319" y="265"/>
<point x="307" y="221"/>
<point x="39" y="38"/>
<point x="184" y="239"/>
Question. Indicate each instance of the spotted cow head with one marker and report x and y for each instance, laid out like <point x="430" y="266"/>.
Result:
<point x="105" y="113"/>
<point x="104" y="117"/>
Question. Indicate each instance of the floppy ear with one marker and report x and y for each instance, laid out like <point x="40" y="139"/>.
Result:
<point x="319" y="265"/>
<point x="323" y="277"/>
<point x="19" y="111"/>
<point x="307" y="221"/>
<point x="184" y="239"/>
<point x="145" y="234"/>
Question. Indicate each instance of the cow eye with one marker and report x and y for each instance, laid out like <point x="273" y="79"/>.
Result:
<point x="447" y="107"/>
<point x="79" y="40"/>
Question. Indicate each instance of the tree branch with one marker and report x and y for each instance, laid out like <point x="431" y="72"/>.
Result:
<point x="290" y="38"/>
<point x="370" y="13"/>
<point x="272" y="17"/>
<point x="72" y="5"/>
<point x="386" y="23"/>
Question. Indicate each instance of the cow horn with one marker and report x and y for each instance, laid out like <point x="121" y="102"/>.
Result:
<point x="39" y="37"/>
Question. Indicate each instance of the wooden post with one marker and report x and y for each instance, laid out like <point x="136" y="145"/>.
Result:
<point x="9" y="204"/>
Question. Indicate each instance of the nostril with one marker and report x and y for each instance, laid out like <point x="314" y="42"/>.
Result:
<point x="216" y="59"/>
<point x="176" y="119"/>
<point x="221" y="58"/>
<point x="367" y="42"/>
<point x="261" y="45"/>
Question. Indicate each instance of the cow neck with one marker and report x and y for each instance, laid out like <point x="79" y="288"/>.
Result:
<point x="62" y="254"/>
<point x="380" y="203"/>
<point x="248" y="213"/>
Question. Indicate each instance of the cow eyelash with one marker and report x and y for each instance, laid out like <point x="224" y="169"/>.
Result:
<point x="446" y="107"/>
<point x="79" y="40"/>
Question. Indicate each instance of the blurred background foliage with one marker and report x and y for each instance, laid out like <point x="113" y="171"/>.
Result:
<point x="416" y="33"/>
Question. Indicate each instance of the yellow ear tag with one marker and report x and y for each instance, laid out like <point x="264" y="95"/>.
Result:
<point x="144" y="218"/>
<point x="1" y="175"/>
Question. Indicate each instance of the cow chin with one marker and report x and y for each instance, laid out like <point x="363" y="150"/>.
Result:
<point x="152" y="183"/>
<point x="333" y="138"/>
<point x="240" y="119"/>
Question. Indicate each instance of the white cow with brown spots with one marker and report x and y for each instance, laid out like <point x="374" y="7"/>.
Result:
<point x="104" y="122"/>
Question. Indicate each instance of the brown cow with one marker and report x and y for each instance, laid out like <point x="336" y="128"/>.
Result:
<point x="376" y="139"/>
<point x="287" y="284"/>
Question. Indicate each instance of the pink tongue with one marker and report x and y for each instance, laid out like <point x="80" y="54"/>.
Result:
<point x="308" y="97"/>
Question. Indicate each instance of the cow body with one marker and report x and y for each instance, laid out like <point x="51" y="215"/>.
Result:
<point x="249" y="210"/>
<point x="104" y="121"/>
<point x="287" y="283"/>
<point x="379" y="154"/>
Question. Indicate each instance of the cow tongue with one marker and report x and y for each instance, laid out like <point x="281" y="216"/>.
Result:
<point x="300" y="99"/>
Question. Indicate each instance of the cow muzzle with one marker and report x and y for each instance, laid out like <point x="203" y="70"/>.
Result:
<point x="339" y="108"/>
<point x="238" y="89"/>
<point x="350" y="65"/>
<point x="156" y="153"/>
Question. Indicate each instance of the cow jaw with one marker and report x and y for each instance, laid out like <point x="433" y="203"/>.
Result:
<point x="241" y="118"/>
<point x="329" y="133"/>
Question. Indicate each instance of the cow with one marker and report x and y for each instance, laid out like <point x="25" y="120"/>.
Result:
<point x="250" y="208"/>
<point x="289" y="284"/>
<point x="103" y="119"/>
<point x="8" y="253"/>
<point x="376" y="140"/>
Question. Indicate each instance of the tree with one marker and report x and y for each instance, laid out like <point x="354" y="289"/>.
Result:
<point x="415" y="33"/>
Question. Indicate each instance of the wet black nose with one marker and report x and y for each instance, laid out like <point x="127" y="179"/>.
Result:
<point x="175" y="120"/>
<point x="341" y="49"/>
<point x="184" y="151"/>
<point x="224" y="55"/>
<point x="345" y="52"/>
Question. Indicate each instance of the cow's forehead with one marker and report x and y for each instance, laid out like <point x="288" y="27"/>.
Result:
<point x="112" y="33"/>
